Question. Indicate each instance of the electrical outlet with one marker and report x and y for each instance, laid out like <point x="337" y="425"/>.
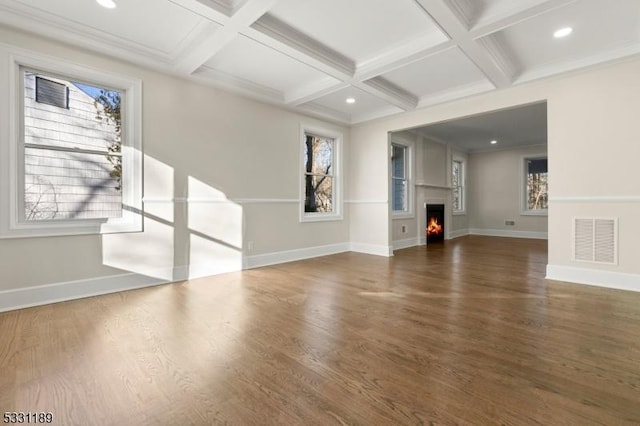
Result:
<point x="404" y="229"/>
<point x="250" y="245"/>
<point x="509" y="222"/>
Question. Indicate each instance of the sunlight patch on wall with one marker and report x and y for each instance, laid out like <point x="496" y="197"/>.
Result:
<point x="151" y="252"/>
<point x="148" y="253"/>
<point x="158" y="189"/>
<point x="216" y="225"/>
<point x="208" y="257"/>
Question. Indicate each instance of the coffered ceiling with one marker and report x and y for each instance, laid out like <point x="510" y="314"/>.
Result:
<point x="311" y="55"/>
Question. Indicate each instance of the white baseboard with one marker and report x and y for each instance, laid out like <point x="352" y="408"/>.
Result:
<point x="293" y="255"/>
<point x="406" y="243"/>
<point x="508" y="233"/>
<point x="457" y="233"/>
<point x="378" y="250"/>
<point x="595" y="277"/>
<point x="60" y="292"/>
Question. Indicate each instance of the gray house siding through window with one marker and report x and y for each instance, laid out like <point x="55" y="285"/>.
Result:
<point x="67" y="184"/>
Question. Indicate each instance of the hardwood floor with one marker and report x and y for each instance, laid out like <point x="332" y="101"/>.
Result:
<point x="466" y="332"/>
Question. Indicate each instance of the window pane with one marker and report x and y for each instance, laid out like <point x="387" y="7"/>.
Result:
<point x="398" y="161"/>
<point x="457" y="204"/>
<point x="399" y="194"/>
<point x="456" y="173"/>
<point x="537" y="197"/>
<point x="70" y="185"/>
<point x="91" y="121"/>
<point x="318" y="157"/>
<point x="318" y="194"/>
<point x="71" y="155"/>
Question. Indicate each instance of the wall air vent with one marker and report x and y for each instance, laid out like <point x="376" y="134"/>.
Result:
<point x="52" y="93"/>
<point x="595" y="240"/>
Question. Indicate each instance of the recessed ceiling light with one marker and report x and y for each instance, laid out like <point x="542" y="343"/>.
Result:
<point x="109" y="4"/>
<point x="563" y="32"/>
<point x="493" y="142"/>
<point x="351" y="100"/>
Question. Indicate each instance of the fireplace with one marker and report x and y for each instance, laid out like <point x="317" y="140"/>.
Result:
<point x="435" y="223"/>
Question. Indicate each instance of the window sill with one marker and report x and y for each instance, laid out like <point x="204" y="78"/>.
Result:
<point x="534" y="213"/>
<point x="130" y="222"/>
<point x="320" y="217"/>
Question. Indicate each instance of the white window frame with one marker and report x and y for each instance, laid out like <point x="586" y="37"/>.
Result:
<point x="524" y="210"/>
<point x="336" y="188"/>
<point x="463" y="186"/>
<point x="408" y="171"/>
<point x="12" y="222"/>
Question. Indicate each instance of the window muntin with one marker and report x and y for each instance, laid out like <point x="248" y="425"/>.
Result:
<point x="72" y="151"/>
<point x="457" y="183"/>
<point x="536" y="198"/>
<point x="399" y="180"/>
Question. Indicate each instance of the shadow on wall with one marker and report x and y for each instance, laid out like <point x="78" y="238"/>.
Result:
<point x="189" y="237"/>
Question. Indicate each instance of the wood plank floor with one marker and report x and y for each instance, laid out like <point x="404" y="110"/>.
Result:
<point x="465" y="332"/>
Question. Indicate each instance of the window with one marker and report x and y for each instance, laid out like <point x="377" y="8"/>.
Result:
<point x="320" y="182"/>
<point x="399" y="179"/>
<point x="535" y="185"/>
<point x="72" y="153"/>
<point x="457" y="183"/>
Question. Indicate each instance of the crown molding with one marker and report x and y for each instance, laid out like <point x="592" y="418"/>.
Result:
<point x="412" y="51"/>
<point x="28" y="19"/>
<point x="374" y="115"/>
<point x="497" y="51"/>
<point x="313" y="91"/>
<point x="388" y="91"/>
<point x="556" y="69"/>
<point x="463" y="10"/>
<point x="459" y="92"/>
<point x="220" y="79"/>
<point x="324" y="112"/>
<point x="304" y="47"/>
<point x="508" y="14"/>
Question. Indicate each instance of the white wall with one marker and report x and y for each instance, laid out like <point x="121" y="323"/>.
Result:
<point x="201" y="143"/>
<point x="495" y="195"/>
<point x="593" y="149"/>
<point x="368" y="180"/>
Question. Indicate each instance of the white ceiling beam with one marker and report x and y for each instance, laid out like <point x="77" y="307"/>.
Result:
<point x="450" y="23"/>
<point x="196" y="55"/>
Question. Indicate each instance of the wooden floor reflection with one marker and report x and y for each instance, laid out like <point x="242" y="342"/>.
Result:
<point x="464" y="332"/>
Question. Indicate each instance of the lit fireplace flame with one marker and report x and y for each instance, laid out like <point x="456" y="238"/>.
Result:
<point x="433" y="227"/>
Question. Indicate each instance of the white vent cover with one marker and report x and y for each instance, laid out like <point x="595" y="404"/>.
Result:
<point x="595" y="240"/>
